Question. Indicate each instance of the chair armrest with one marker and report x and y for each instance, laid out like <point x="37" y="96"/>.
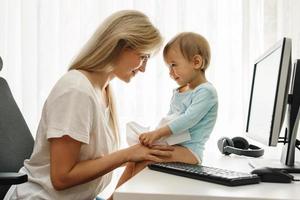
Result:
<point x="11" y="178"/>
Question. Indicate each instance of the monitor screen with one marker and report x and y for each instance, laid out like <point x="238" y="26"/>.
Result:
<point x="269" y="94"/>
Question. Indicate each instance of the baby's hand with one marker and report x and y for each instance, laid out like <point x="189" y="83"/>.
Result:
<point x="149" y="138"/>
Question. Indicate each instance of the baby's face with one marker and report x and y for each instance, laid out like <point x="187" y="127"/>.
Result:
<point x="180" y="69"/>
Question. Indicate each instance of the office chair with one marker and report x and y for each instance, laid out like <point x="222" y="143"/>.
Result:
<point x="16" y="141"/>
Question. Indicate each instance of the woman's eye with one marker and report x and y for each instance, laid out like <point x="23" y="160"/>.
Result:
<point x="172" y="65"/>
<point x="145" y="57"/>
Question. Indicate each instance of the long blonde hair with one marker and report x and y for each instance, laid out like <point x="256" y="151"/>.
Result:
<point x="124" y="28"/>
<point x="127" y="28"/>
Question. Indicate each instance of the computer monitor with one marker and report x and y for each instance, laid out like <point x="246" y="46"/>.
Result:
<point x="293" y="120"/>
<point x="269" y="100"/>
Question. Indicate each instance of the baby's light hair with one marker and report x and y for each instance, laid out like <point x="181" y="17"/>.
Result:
<point x="190" y="44"/>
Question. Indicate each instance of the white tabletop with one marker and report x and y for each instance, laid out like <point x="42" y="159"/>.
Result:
<point x="153" y="185"/>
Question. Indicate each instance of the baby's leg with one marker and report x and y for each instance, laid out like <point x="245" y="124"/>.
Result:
<point x="140" y="166"/>
<point x="131" y="169"/>
<point x="182" y="154"/>
<point x="127" y="174"/>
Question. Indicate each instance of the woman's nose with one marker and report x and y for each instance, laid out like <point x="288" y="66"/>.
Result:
<point x="142" y="68"/>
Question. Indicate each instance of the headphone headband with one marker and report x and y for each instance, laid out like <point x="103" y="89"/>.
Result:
<point x="251" y="152"/>
<point x="239" y="146"/>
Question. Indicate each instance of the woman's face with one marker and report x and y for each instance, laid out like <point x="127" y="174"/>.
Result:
<point x="129" y="63"/>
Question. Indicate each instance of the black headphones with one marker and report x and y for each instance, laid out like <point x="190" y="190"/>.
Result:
<point x="239" y="146"/>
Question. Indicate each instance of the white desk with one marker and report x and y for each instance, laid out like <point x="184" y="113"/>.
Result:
<point x="153" y="185"/>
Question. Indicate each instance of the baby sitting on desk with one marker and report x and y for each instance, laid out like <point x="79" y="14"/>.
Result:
<point x="193" y="107"/>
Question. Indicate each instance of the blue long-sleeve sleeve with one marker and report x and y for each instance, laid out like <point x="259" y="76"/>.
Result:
<point x="196" y="112"/>
<point x="202" y="100"/>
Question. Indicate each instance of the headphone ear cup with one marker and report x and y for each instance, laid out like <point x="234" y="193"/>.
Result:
<point x="240" y="143"/>
<point x="223" y="142"/>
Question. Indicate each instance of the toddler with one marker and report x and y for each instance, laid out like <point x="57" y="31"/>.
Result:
<point x="195" y="101"/>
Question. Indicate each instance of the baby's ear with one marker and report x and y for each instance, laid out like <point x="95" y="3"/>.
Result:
<point x="198" y="62"/>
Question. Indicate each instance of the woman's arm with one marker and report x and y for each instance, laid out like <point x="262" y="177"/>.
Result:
<point x="66" y="170"/>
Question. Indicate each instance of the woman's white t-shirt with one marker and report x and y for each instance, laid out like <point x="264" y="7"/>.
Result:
<point x="73" y="108"/>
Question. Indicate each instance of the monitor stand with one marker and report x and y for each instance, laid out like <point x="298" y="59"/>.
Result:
<point x="287" y="161"/>
<point x="274" y="163"/>
<point x="290" y="165"/>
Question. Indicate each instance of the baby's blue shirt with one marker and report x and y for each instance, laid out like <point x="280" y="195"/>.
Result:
<point x="197" y="113"/>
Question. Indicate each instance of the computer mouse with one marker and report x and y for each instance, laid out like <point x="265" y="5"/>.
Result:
<point x="267" y="174"/>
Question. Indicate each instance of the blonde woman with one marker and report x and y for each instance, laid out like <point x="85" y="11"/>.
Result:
<point x="76" y="146"/>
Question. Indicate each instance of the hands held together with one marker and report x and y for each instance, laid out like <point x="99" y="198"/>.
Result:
<point x="157" y="153"/>
<point x="149" y="138"/>
<point x="146" y="151"/>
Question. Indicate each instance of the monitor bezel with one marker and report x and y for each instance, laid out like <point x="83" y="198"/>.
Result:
<point x="282" y="89"/>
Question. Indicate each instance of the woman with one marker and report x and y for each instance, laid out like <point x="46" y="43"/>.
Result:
<point x="77" y="139"/>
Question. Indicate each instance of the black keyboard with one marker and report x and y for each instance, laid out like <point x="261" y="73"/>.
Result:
<point x="210" y="174"/>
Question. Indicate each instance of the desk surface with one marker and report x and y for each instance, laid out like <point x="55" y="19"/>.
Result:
<point x="153" y="185"/>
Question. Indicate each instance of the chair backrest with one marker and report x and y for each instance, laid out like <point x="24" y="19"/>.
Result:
<point x="16" y="141"/>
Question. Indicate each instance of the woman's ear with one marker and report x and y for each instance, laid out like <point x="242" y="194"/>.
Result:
<point x="198" y="62"/>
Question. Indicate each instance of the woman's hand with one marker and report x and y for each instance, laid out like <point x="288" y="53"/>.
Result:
<point x="156" y="153"/>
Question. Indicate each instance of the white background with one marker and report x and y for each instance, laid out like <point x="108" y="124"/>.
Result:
<point x="39" y="38"/>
